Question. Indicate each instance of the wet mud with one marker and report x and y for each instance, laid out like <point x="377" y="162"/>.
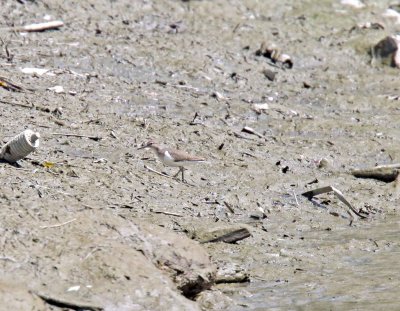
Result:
<point x="81" y="216"/>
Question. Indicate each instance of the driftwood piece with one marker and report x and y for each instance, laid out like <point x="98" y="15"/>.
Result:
<point x="10" y="86"/>
<point x="74" y="305"/>
<point x="386" y="173"/>
<point x="95" y="138"/>
<point x="238" y="278"/>
<point x="168" y="213"/>
<point x="231" y="237"/>
<point x="249" y="130"/>
<point x="312" y="193"/>
<point x="42" y="26"/>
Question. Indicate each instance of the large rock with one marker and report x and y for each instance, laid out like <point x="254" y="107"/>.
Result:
<point x="15" y="296"/>
<point x="111" y="263"/>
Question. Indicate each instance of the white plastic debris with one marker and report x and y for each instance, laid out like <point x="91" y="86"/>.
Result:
<point x="74" y="288"/>
<point x="57" y="89"/>
<point x="260" y="107"/>
<point x="20" y="146"/>
<point x="36" y="71"/>
<point x="357" y="4"/>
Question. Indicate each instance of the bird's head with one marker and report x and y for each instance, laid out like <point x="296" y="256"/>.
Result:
<point x="148" y="144"/>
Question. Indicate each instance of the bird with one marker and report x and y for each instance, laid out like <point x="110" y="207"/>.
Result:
<point x="173" y="157"/>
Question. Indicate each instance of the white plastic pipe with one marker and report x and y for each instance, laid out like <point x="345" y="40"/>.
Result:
<point x="20" y="146"/>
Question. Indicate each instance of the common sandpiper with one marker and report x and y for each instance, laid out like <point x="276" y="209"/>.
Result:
<point x="173" y="157"/>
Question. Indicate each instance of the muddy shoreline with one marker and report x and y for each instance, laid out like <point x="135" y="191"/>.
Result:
<point x="85" y="224"/>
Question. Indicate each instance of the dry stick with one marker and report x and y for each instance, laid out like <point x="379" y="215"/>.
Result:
<point x="10" y="85"/>
<point x="58" y="225"/>
<point x="295" y="196"/>
<point x="41" y="26"/>
<point x="77" y="135"/>
<point x="168" y="213"/>
<point x="91" y="207"/>
<point x="15" y="104"/>
<point x="154" y="171"/>
<point x="75" y="305"/>
<point x="238" y="135"/>
<point x="231" y="237"/>
<point x="229" y="207"/>
<point x="41" y="108"/>
<point x="97" y="248"/>
<point x="6" y="258"/>
<point x="44" y="187"/>
<point x="249" y="130"/>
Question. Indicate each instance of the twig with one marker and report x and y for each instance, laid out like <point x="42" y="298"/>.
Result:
<point x="211" y="202"/>
<point x="75" y="305"/>
<point x="16" y="104"/>
<point x="249" y="130"/>
<point x="8" y="85"/>
<point x="58" y="225"/>
<point x="237" y="27"/>
<point x="295" y="196"/>
<point x="44" y="187"/>
<point x="229" y="207"/>
<point x="168" y="213"/>
<point x="41" y="26"/>
<point x="128" y="206"/>
<point x="249" y="154"/>
<point x="95" y="249"/>
<point x="40" y="108"/>
<point x="138" y="198"/>
<point x="6" y="258"/>
<point x="154" y="171"/>
<point x="193" y="122"/>
<point x="91" y="207"/>
<point x="96" y="138"/>
<point x="238" y="135"/>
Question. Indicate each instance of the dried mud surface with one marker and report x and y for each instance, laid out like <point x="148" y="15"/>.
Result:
<point x="80" y="217"/>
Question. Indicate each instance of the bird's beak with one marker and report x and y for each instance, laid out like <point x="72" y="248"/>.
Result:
<point x="142" y="147"/>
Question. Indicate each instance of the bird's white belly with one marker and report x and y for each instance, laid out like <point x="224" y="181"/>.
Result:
<point x="168" y="160"/>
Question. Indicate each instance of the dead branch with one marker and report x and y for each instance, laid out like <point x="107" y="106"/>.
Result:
<point x="168" y="213"/>
<point x="96" y="138"/>
<point x="154" y="171"/>
<point x="310" y="194"/>
<point x="74" y="305"/>
<point x="386" y="173"/>
<point x="58" y="225"/>
<point x="231" y="237"/>
<point x="41" y="26"/>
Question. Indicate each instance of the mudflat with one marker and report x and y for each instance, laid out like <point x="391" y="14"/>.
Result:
<point x="280" y="97"/>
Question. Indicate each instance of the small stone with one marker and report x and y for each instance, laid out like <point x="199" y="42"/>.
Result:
<point x="322" y="163"/>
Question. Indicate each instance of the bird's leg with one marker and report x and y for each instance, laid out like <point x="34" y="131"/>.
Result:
<point x="183" y="178"/>
<point x="181" y="169"/>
